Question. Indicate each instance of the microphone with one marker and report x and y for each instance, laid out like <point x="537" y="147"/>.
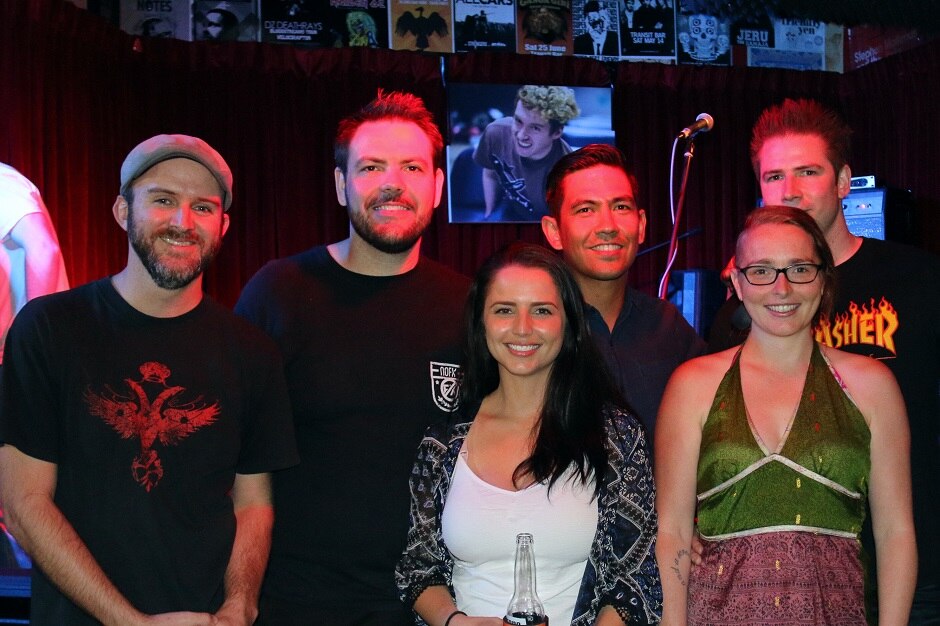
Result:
<point x="702" y="124"/>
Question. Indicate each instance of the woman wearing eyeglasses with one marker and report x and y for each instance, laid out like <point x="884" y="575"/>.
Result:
<point x="774" y="447"/>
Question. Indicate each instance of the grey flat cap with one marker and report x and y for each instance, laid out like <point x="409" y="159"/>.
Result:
<point x="164" y="147"/>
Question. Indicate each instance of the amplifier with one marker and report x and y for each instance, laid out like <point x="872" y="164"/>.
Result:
<point x="698" y="294"/>
<point x="862" y="182"/>
<point x="880" y="213"/>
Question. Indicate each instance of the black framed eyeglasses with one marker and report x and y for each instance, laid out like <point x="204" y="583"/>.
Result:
<point x="798" y="273"/>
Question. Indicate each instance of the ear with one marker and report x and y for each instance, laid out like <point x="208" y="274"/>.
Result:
<point x="558" y="133"/>
<point x="340" y="180"/>
<point x="641" y="229"/>
<point x="225" y="223"/>
<point x="120" y="210"/>
<point x="844" y="181"/>
<point x="736" y="283"/>
<point x="438" y="186"/>
<point x="551" y="231"/>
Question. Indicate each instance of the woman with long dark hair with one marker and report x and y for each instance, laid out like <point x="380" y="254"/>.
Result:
<point x="541" y="444"/>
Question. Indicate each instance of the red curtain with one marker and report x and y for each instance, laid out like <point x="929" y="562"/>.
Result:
<point x="76" y="97"/>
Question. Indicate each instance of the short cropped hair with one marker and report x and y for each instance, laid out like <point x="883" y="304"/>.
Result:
<point x="556" y="104"/>
<point x="803" y="117"/>
<point x="394" y="105"/>
<point x="582" y="159"/>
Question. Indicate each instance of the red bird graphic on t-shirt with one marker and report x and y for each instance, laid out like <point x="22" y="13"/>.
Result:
<point x="167" y="418"/>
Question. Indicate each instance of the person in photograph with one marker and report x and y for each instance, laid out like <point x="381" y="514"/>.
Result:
<point x="517" y="151"/>
<point x="598" y="38"/>
<point x="140" y="420"/>
<point x="543" y="444"/>
<point x="769" y="451"/>
<point x="648" y="16"/>
<point x="361" y="30"/>
<point x="627" y="11"/>
<point x="157" y="27"/>
<point x="217" y="24"/>
<point x="369" y="330"/>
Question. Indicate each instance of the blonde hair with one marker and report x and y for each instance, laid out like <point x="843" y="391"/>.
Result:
<point x="556" y="104"/>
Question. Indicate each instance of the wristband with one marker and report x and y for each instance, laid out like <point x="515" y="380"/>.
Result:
<point x="452" y="616"/>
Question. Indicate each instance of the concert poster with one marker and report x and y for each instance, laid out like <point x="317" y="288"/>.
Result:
<point x="801" y="45"/>
<point x="225" y="20"/>
<point x="298" y="22"/>
<point x="755" y="31"/>
<point x="359" y="23"/>
<point x="703" y="39"/>
<point x="156" y="18"/>
<point x="484" y="25"/>
<point x="648" y="29"/>
<point x="422" y="25"/>
<point x="543" y="27"/>
<point x="596" y="30"/>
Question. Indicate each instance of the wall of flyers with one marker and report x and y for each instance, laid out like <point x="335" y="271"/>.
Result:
<point x="662" y="31"/>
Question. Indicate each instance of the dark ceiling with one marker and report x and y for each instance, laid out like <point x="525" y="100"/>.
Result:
<point x="923" y="15"/>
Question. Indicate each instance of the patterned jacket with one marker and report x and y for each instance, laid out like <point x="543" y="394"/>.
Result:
<point x="621" y="569"/>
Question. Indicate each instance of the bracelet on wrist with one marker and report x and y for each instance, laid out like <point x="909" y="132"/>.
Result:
<point x="452" y="616"/>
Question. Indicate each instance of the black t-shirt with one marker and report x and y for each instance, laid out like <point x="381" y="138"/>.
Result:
<point x="371" y="361"/>
<point x="148" y="420"/>
<point x="521" y="180"/>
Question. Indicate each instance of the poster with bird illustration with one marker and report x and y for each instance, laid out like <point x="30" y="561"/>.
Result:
<point x="422" y="25"/>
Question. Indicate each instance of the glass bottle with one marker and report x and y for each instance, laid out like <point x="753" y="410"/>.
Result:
<point x="525" y="608"/>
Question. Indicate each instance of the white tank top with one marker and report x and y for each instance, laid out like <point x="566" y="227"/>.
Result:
<point x="480" y="523"/>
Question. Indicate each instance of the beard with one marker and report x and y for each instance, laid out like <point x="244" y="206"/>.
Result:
<point x="164" y="275"/>
<point x="370" y="232"/>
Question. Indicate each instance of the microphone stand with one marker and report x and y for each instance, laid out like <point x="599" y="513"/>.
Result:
<point x="680" y="203"/>
<point x="662" y="244"/>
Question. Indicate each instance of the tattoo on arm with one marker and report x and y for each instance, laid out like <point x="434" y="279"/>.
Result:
<point x="681" y="554"/>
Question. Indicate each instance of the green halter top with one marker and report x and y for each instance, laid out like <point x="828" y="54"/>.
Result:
<point x="818" y="482"/>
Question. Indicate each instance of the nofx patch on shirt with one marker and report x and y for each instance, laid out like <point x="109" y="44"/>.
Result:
<point x="445" y="385"/>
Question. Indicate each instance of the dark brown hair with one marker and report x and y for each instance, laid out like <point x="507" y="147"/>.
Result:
<point x="582" y="159"/>
<point x="571" y="427"/>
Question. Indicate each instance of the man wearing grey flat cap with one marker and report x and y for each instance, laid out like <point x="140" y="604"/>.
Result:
<point x="139" y="420"/>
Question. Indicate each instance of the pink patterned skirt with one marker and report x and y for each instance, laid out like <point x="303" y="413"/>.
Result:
<point x="779" y="578"/>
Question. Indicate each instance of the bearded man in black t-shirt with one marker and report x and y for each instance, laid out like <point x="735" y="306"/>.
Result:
<point x="369" y="333"/>
<point x="140" y="420"/>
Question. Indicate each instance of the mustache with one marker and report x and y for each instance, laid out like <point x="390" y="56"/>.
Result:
<point x="384" y="196"/>
<point x="180" y="234"/>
